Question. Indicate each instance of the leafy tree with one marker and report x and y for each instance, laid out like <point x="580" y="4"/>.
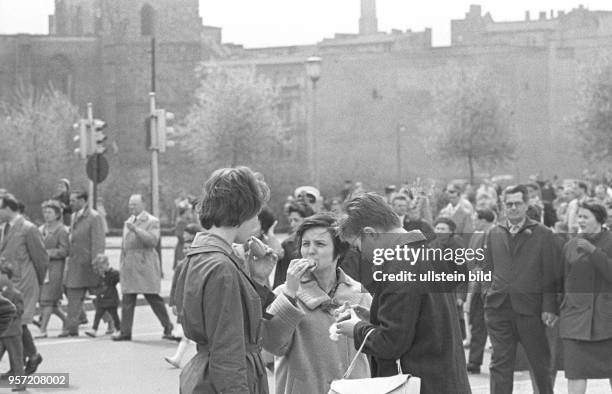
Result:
<point x="234" y="120"/>
<point x="592" y="123"/>
<point x="471" y="121"/>
<point x="36" y="142"/>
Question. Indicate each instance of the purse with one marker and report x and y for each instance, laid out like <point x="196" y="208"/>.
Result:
<point x="398" y="384"/>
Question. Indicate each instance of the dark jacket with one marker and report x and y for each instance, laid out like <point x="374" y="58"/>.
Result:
<point x="222" y="312"/>
<point x="422" y="226"/>
<point x="290" y="252"/>
<point x="525" y="267"/>
<point x="14" y="326"/>
<point x="417" y="324"/>
<point x="108" y="297"/>
<point x="7" y="313"/>
<point x="586" y="310"/>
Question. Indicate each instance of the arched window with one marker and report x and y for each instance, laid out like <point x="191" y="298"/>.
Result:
<point x="147" y="20"/>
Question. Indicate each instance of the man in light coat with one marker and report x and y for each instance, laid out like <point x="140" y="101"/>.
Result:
<point x="23" y="252"/>
<point x="86" y="242"/>
<point x="140" y="271"/>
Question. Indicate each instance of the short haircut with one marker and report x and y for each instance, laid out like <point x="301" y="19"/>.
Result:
<point x="81" y="194"/>
<point x="321" y="220"/>
<point x="533" y="185"/>
<point x="452" y="226"/>
<point x="583" y="186"/>
<point x="9" y="201"/>
<point x="55" y="205"/>
<point x="266" y="218"/>
<point x="20" y="206"/>
<point x="516" y="189"/>
<point x="232" y="196"/>
<point x="367" y="210"/>
<point x="598" y="210"/>
<point x="486" y="214"/>
<point x="300" y="208"/>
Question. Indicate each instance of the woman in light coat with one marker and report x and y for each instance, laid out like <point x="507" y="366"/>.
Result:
<point x="307" y="359"/>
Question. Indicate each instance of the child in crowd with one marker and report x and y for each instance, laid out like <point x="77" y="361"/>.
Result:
<point x="107" y="299"/>
<point x="188" y="235"/>
<point x="10" y="340"/>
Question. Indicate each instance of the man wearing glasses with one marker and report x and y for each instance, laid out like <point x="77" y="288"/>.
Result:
<point x="521" y="298"/>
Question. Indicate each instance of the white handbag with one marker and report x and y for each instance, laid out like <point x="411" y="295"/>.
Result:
<point x="398" y="384"/>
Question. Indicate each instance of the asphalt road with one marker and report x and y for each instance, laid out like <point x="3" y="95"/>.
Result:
<point x="102" y="366"/>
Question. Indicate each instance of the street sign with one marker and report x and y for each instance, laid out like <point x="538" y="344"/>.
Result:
<point x="97" y="168"/>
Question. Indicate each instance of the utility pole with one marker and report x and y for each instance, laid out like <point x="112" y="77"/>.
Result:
<point x="154" y="161"/>
<point x="92" y="183"/>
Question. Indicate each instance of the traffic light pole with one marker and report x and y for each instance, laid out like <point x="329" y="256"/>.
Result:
<point x="93" y="185"/>
<point x="154" y="164"/>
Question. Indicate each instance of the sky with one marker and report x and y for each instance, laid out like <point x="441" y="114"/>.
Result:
<point x="261" y="23"/>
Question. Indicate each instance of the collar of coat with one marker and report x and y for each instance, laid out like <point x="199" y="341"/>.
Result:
<point x="313" y="296"/>
<point x="527" y="223"/>
<point x="141" y="217"/>
<point x="206" y="242"/>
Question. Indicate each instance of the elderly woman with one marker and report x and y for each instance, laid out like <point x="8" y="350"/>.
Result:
<point x="55" y="237"/>
<point x="586" y="310"/>
<point x="305" y="308"/>
<point x="218" y="301"/>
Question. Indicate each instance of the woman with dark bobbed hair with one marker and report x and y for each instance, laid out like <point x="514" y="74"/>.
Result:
<point x="56" y="239"/>
<point x="586" y="310"/>
<point x="218" y="302"/>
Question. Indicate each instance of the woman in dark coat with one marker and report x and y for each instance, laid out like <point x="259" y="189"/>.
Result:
<point x="220" y="304"/>
<point x="586" y="311"/>
<point x="55" y="238"/>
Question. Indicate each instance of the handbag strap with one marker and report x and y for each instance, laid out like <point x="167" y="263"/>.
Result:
<point x="352" y="365"/>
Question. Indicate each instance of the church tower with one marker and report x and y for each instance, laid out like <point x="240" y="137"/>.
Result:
<point x="368" y="23"/>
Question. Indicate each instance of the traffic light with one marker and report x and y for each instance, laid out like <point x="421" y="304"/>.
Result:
<point x="158" y="131"/>
<point x="98" y="136"/>
<point x="82" y="138"/>
<point x="163" y="130"/>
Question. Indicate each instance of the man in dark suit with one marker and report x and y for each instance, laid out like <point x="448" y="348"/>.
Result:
<point x="521" y="299"/>
<point x="22" y="250"/>
<point x="413" y="322"/>
<point x="86" y="242"/>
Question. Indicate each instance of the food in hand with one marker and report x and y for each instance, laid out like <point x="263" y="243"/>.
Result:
<point x="258" y="248"/>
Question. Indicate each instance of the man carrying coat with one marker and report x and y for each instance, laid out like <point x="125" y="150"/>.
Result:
<point x="22" y="250"/>
<point x="87" y="240"/>
<point x="521" y="299"/>
<point x="140" y="271"/>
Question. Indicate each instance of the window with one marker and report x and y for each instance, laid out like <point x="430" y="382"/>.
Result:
<point x="147" y="20"/>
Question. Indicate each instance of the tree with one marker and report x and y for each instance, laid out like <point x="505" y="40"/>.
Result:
<point x="36" y="134"/>
<point x="471" y="121"/>
<point x="234" y="120"/>
<point x="592" y="123"/>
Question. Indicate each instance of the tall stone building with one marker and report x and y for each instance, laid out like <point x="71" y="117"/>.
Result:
<point x="99" y="51"/>
<point x="375" y="90"/>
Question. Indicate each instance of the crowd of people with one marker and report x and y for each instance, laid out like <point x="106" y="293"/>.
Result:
<point x="312" y="301"/>
<point x="302" y="307"/>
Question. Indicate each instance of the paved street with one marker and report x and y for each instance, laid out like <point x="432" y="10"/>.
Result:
<point x="103" y="366"/>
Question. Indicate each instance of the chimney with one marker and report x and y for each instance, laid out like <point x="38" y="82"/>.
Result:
<point x="542" y="15"/>
<point x="368" y="23"/>
<point x="527" y="16"/>
<point x="475" y="11"/>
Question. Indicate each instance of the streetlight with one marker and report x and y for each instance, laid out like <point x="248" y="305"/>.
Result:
<point x="313" y="70"/>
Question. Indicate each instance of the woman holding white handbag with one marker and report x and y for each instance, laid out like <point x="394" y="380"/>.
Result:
<point x="307" y="359"/>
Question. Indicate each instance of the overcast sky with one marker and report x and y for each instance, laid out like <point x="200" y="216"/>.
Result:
<point x="256" y="23"/>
